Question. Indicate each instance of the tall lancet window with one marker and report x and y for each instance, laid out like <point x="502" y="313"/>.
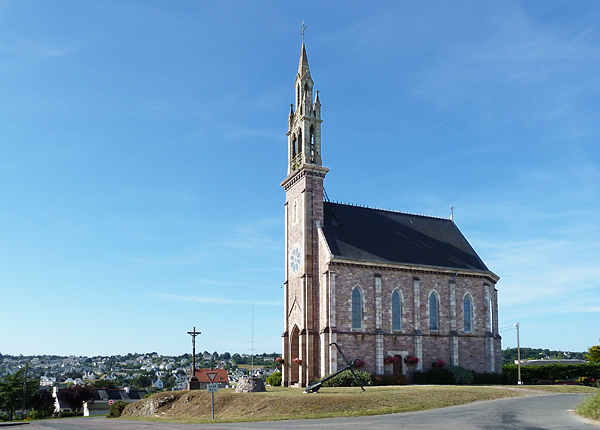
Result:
<point x="433" y="312"/>
<point x="468" y="313"/>
<point x="294" y="147"/>
<point x="396" y="311"/>
<point x="356" y="308"/>
<point x="295" y="218"/>
<point x="491" y="310"/>
<point x="312" y="143"/>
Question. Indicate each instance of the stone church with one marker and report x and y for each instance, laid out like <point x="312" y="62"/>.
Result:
<point x="400" y="292"/>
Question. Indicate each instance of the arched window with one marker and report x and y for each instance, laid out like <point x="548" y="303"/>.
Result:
<point x="468" y="313"/>
<point x="433" y="311"/>
<point x="294" y="147"/>
<point x="300" y="142"/>
<point x="356" y="308"/>
<point x="491" y="309"/>
<point x="396" y="311"/>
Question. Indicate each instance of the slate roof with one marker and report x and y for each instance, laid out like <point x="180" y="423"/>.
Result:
<point x="221" y="378"/>
<point x="380" y="236"/>
<point x="116" y="394"/>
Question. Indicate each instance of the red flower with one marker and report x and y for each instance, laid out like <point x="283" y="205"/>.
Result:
<point x="411" y="359"/>
<point x="438" y="363"/>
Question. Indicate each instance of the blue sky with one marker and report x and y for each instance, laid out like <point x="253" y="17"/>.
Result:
<point x="143" y="143"/>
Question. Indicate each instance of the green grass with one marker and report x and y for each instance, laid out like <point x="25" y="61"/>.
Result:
<point x="590" y="407"/>
<point x="291" y="403"/>
<point x="567" y="389"/>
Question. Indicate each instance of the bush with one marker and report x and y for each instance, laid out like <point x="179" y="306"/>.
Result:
<point x="493" y="378"/>
<point x="346" y="379"/>
<point x="35" y="415"/>
<point x="460" y="375"/>
<point x="116" y="409"/>
<point x="590" y="407"/>
<point x="274" y="379"/>
<point x="397" y="379"/>
<point x="434" y="376"/>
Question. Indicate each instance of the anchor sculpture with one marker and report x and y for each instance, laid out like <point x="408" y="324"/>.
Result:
<point x="314" y="387"/>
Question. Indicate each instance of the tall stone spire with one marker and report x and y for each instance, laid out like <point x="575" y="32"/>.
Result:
<point x="304" y="132"/>
<point x="303" y="69"/>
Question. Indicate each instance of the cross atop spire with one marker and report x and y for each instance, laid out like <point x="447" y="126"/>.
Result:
<point x="302" y="32"/>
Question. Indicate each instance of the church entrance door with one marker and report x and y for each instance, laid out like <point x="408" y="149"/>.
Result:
<point x="398" y="364"/>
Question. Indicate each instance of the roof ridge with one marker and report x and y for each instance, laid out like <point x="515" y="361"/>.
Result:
<point x="389" y="210"/>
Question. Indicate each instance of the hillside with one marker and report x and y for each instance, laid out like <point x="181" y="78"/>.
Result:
<point x="286" y="403"/>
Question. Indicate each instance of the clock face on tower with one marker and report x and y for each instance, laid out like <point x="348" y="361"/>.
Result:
<point x="295" y="259"/>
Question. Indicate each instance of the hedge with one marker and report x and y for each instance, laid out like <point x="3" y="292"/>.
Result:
<point x="553" y="372"/>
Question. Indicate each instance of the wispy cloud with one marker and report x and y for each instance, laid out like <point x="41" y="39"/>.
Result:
<point x="215" y="300"/>
<point x="33" y="51"/>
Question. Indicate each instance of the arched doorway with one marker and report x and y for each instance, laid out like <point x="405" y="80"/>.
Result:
<point x="294" y="353"/>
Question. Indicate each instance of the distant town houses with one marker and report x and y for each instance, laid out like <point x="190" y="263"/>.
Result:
<point x="139" y="371"/>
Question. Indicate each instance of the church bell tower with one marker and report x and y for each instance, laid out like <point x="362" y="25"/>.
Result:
<point x="304" y="122"/>
<point x="304" y="216"/>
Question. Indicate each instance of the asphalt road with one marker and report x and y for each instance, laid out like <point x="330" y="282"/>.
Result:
<point x="546" y="412"/>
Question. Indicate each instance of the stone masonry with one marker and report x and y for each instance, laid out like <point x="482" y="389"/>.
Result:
<point x="318" y="303"/>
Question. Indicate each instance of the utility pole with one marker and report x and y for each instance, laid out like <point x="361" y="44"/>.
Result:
<point x="519" y="382"/>
<point x="193" y="383"/>
<point x="24" y="393"/>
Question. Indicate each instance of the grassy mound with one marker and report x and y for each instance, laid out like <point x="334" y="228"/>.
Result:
<point x="291" y="403"/>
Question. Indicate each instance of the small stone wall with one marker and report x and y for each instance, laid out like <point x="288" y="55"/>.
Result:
<point x="247" y="384"/>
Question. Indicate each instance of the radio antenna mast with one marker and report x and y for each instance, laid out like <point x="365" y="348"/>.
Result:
<point x="252" y="345"/>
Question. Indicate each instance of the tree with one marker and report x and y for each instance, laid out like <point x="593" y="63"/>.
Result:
<point x="237" y="359"/>
<point x="73" y="375"/>
<point x="142" y="381"/>
<point x="75" y="396"/>
<point x="103" y="383"/>
<point x="593" y="355"/>
<point x="43" y="403"/>
<point x="11" y="392"/>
